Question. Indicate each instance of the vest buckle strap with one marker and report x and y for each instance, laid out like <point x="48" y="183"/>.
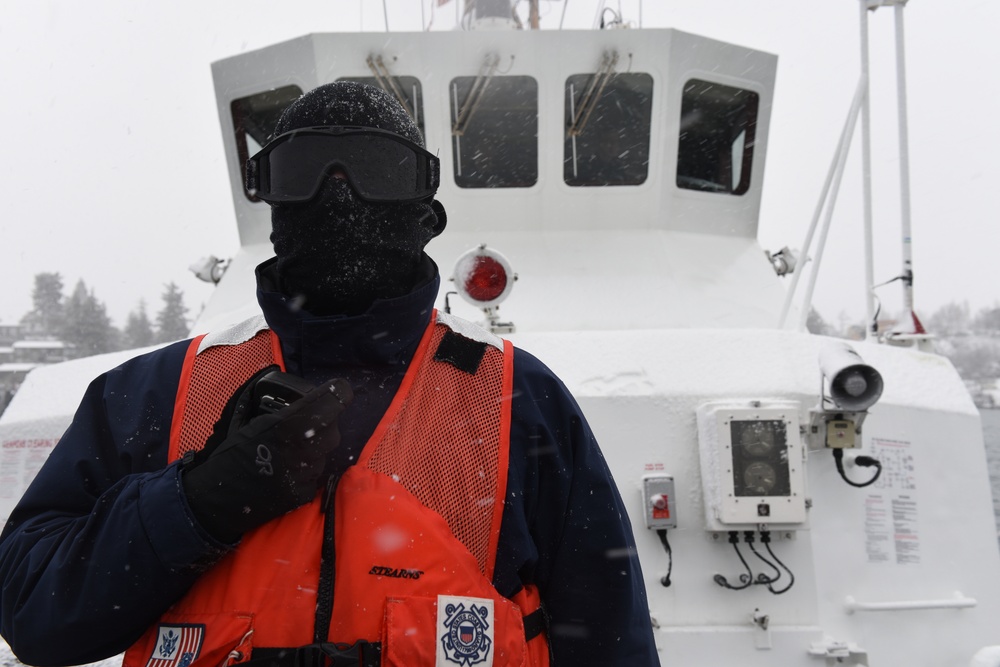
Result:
<point x="324" y="654"/>
<point x="360" y="654"/>
<point x="535" y="624"/>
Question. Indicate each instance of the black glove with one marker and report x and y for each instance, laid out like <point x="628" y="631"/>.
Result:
<point x="256" y="466"/>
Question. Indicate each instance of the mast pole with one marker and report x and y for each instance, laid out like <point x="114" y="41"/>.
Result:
<point x="904" y="162"/>
<point x="871" y="326"/>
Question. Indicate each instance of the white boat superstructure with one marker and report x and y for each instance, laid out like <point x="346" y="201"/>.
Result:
<point x="619" y="174"/>
<point x="659" y="257"/>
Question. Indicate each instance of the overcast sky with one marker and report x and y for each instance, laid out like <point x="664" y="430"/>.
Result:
<point x="112" y="167"/>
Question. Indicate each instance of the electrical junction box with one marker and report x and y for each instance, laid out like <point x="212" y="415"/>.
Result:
<point x="752" y="462"/>
<point x="659" y="501"/>
<point x="840" y="434"/>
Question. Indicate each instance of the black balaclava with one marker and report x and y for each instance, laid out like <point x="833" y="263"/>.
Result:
<point x="338" y="253"/>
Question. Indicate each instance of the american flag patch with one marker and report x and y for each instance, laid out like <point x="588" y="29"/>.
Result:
<point x="177" y="645"/>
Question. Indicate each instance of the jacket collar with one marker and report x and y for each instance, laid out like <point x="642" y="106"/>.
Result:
<point x="386" y="334"/>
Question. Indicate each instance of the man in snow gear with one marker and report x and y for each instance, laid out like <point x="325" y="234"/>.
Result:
<point x="353" y="478"/>
<point x="337" y="250"/>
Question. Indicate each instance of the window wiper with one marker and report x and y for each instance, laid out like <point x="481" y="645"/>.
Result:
<point x="388" y="82"/>
<point x="595" y="87"/>
<point x="464" y="115"/>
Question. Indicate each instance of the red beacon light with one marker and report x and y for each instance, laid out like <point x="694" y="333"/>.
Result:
<point x="484" y="278"/>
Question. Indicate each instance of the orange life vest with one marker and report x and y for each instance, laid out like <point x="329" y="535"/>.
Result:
<point x="415" y="525"/>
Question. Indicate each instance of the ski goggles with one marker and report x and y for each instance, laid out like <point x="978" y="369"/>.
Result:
<point x="381" y="166"/>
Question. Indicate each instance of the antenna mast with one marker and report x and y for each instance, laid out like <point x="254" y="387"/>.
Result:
<point x="906" y="277"/>
<point x="533" y="14"/>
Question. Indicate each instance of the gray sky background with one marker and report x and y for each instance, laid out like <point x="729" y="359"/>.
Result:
<point x="112" y="167"/>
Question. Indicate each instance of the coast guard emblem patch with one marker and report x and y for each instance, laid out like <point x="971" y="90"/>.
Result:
<point x="176" y="645"/>
<point x="467" y="631"/>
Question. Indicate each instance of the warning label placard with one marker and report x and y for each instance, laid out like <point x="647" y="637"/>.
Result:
<point x="891" y="517"/>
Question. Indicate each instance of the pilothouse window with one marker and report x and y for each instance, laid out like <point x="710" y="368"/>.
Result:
<point x="495" y="131"/>
<point x="607" y="129"/>
<point x="254" y="118"/>
<point x="718" y="124"/>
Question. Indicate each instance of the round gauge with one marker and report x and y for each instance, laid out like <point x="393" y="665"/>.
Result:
<point x="760" y="478"/>
<point x="757" y="439"/>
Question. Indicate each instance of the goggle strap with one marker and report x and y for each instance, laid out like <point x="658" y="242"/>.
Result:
<point x="251" y="177"/>
<point x="434" y="174"/>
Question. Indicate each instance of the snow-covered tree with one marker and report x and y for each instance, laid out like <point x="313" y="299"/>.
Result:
<point x="87" y="326"/>
<point x="950" y="319"/>
<point x="46" y="317"/>
<point x="988" y="321"/>
<point x="138" y="329"/>
<point x="171" y="324"/>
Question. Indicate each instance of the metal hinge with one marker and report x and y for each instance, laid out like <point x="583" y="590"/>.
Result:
<point x="844" y="653"/>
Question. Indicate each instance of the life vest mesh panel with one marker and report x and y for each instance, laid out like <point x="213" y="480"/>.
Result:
<point x="217" y="373"/>
<point x="459" y="416"/>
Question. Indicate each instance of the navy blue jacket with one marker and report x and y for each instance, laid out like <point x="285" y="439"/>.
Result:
<point x="103" y="542"/>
